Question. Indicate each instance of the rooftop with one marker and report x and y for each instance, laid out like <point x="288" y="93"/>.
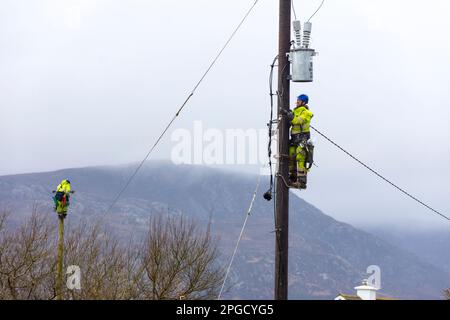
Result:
<point x="355" y="297"/>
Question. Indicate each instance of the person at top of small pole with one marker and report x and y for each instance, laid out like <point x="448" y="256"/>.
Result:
<point x="62" y="197"/>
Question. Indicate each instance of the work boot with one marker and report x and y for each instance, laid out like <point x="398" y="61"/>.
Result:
<point x="62" y="214"/>
<point x="292" y="168"/>
<point x="301" y="178"/>
<point x="292" y="177"/>
<point x="295" y="185"/>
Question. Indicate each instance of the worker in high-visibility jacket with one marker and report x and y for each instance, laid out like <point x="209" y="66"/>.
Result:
<point x="301" y="147"/>
<point x="61" y="197"/>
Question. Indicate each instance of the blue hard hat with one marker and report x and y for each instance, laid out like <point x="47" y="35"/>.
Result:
<point x="303" y="97"/>
<point x="68" y="181"/>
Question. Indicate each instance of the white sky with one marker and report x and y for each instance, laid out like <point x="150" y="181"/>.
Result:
<point x="94" y="82"/>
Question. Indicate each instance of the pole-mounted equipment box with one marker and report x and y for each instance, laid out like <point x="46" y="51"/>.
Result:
<point x="301" y="56"/>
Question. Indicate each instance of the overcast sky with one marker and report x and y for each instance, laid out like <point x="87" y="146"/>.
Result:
<point x="93" y="82"/>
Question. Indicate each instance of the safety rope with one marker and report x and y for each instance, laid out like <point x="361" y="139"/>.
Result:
<point x="113" y="203"/>
<point x="380" y="176"/>
<point x="240" y="236"/>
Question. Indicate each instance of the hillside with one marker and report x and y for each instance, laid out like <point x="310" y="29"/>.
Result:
<point x="326" y="256"/>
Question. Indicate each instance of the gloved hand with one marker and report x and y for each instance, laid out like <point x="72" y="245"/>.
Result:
<point x="288" y="113"/>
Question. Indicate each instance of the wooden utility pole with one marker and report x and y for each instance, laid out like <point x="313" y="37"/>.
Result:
<point x="60" y="258"/>
<point x="282" y="190"/>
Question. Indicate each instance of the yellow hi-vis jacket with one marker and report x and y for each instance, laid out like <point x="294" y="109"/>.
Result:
<point x="64" y="186"/>
<point x="302" y="119"/>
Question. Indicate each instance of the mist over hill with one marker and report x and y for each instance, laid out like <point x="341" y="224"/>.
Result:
<point x="326" y="256"/>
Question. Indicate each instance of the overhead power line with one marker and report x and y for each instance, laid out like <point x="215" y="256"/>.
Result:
<point x="182" y="106"/>
<point x="380" y="176"/>
<point x="249" y="211"/>
<point x="315" y="12"/>
<point x="293" y="10"/>
<point x="318" y="9"/>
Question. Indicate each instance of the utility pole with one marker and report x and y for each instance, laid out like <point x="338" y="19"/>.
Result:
<point x="282" y="190"/>
<point x="60" y="258"/>
<point x="61" y="210"/>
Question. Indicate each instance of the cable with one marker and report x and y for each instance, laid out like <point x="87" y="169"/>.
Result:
<point x="316" y="10"/>
<point x="380" y="176"/>
<point x="269" y="146"/>
<point x="240" y="236"/>
<point x="146" y="157"/>
<point x="273" y="187"/>
<point x="293" y="9"/>
<point x="226" y="44"/>
<point x="182" y="106"/>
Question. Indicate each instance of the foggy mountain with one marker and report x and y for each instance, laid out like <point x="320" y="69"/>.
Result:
<point x="431" y="245"/>
<point x="326" y="256"/>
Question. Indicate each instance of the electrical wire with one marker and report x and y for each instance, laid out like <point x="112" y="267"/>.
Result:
<point x="316" y="10"/>
<point x="240" y="236"/>
<point x="269" y="146"/>
<point x="293" y="9"/>
<point x="182" y="106"/>
<point x="273" y="187"/>
<point x="380" y="176"/>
